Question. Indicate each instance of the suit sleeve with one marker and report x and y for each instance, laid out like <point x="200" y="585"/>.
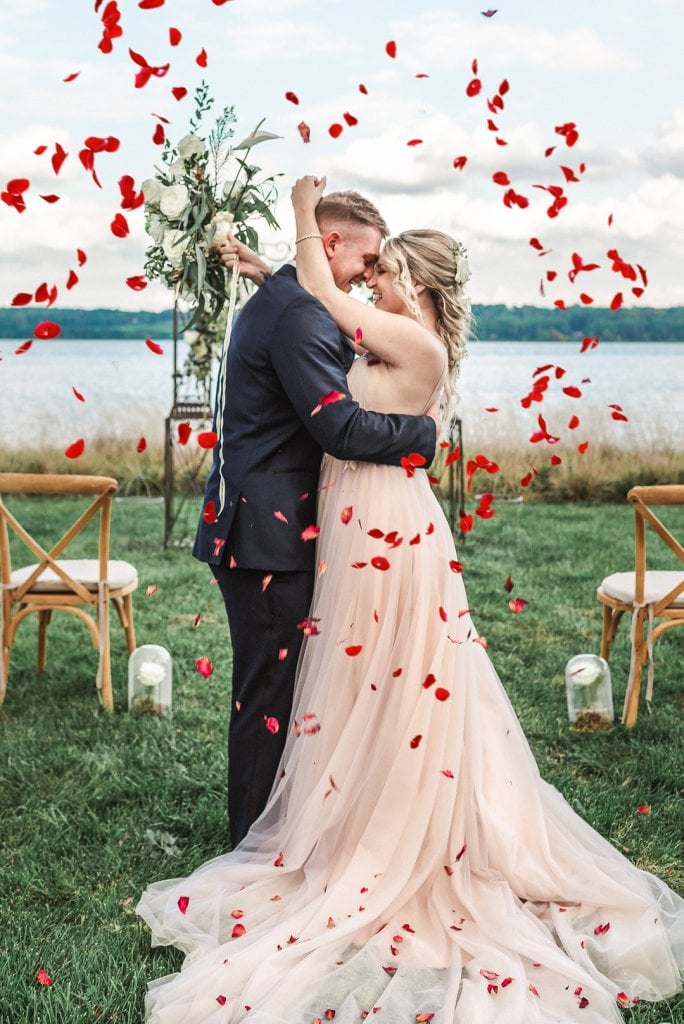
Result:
<point x="307" y="357"/>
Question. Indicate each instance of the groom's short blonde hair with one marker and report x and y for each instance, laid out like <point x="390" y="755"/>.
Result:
<point x="349" y="208"/>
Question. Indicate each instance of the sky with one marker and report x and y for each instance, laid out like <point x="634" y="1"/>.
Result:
<point x="613" y="68"/>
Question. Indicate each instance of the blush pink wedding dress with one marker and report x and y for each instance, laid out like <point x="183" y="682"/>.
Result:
<point x="411" y="865"/>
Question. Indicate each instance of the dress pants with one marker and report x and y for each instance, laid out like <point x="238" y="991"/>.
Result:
<point x="266" y="642"/>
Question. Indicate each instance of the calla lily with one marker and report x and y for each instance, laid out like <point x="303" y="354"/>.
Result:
<point x="254" y="138"/>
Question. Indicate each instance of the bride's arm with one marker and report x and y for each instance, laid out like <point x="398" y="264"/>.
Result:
<point x="395" y="339"/>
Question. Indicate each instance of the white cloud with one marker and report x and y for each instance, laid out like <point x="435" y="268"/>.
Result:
<point x="442" y="39"/>
<point x="666" y="151"/>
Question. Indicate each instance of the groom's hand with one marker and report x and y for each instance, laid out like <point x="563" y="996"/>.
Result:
<point x="249" y="263"/>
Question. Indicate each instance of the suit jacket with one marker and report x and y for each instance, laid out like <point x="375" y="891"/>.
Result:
<point x="285" y="354"/>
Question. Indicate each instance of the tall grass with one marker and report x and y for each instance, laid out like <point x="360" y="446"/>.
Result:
<point x="604" y="472"/>
<point x="94" y="807"/>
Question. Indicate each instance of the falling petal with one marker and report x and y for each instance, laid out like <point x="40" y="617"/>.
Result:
<point x="75" y="450"/>
<point x="137" y="283"/>
<point x="207" y="439"/>
<point x="204" y="667"/>
<point x="47" y="329"/>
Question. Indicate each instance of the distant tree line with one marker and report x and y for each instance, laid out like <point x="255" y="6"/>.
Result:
<point x="492" y="323"/>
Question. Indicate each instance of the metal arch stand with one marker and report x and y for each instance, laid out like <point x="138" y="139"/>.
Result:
<point x="191" y="459"/>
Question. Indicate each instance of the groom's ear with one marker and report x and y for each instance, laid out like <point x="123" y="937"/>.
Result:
<point x="330" y="243"/>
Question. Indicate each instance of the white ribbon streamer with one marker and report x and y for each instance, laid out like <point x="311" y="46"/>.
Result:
<point x="221" y="402"/>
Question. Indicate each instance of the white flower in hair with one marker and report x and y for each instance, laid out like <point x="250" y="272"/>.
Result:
<point x="462" y="271"/>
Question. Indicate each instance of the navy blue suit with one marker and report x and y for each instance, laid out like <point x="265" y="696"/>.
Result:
<point x="285" y="354"/>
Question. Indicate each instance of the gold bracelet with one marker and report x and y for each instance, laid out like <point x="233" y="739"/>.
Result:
<point x="301" y="238"/>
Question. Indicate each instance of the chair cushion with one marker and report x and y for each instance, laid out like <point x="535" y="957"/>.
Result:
<point x="85" y="570"/>
<point x="620" y="586"/>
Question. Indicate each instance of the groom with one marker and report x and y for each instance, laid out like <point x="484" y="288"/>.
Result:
<point x="286" y="357"/>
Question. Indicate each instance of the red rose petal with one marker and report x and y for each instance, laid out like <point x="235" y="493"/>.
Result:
<point x="207" y="439"/>
<point x="204" y="667"/>
<point x="75" y="450"/>
<point x="47" y="329"/>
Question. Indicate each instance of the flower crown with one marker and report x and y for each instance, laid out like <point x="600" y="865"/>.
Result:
<point x="462" y="272"/>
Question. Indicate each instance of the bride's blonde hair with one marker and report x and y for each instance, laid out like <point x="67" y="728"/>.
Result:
<point x="436" y="260"/>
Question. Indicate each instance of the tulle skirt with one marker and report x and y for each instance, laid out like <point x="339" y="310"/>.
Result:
<point x="410" y="863"/>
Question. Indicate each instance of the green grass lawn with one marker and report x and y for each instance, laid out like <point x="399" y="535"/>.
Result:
<point x="95" y="806"/>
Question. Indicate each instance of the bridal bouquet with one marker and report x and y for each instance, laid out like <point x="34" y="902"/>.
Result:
<point x="204" y="189"/>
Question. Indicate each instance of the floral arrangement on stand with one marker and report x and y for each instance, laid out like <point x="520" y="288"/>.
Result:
<point x="204" y="189"/>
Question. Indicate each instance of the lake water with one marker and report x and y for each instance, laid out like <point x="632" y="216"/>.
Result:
<point x="128" y="391"/>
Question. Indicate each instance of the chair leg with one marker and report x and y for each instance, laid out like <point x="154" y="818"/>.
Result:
<point x="105" y="656"/>
<point x="606" y="637"/>
<point x="129" y="627"/>
<point x="4" y="669"/>
<point x="631" y="706"/>
<point x="124" y="607"/>
<point x="43" y="623"/>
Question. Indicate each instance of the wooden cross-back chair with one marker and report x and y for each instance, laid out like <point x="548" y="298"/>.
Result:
<point x="647" y="594"/>
<point x="81" y="587"/>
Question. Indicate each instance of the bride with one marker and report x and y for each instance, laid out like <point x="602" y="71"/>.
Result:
<point x="410" y="862"/>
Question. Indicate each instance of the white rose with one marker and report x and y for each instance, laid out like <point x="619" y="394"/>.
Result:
<point x="173" y="247"/>
<point x="189" y="146"/>
<point x="174" y="201"/>
<point x="176" y="170"/>
<point x="190" y="337"/>
<point x="150" y="673"/>
<point x="152" y="190"/>
<point x="235" y="175"/>
<point x="155" y="228"/>
<point x="222" y="224"/>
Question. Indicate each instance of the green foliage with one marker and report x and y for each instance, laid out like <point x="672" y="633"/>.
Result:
<point x="530" y="323"/>
<point x="492" y="323"/>
<point x="90" y="324"/>
<point x="94" y="807"/>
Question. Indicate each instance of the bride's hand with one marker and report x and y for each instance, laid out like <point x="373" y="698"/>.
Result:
<point x="307" y="192"/>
